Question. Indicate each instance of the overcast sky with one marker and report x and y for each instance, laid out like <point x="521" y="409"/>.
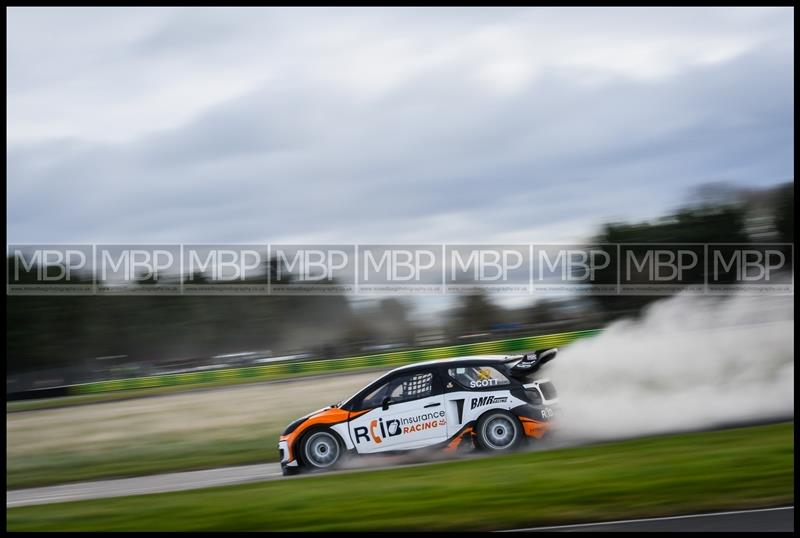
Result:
<point x="384" y="125"/>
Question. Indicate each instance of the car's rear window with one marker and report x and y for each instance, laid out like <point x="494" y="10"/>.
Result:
<point x="548" y="390"/>
<point x="533" y="396"/>
<point x="475" y="377"/>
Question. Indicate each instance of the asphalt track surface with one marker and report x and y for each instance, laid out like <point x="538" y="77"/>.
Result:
<point x="143" y="484"/>
<point x="185" y="480"/>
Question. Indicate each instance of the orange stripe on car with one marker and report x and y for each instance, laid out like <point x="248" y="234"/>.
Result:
<point x="334" y="415"/>
<point x="534" y="428"/>
<point x="452" y="445"/>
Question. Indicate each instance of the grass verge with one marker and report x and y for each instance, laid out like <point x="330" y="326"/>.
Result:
<point x="176" y="432"/>
<point x="129" y="394"/>
<point x="727" y="469"/>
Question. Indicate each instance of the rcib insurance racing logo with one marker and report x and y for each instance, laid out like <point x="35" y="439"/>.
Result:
<point x="379" y="429"/>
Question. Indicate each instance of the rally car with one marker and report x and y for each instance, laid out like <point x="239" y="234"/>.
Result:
<point x="486" y="402"/>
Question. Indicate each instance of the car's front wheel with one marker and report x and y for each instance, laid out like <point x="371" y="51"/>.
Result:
<point x="498" y="431"/>
<point x="321" y="450"/>
<point x="290" y="471"/>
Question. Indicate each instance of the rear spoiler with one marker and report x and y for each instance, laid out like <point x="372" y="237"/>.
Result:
<point x="531" y="361"/>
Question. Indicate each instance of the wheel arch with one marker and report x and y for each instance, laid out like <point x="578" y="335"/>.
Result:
<point x="308" y="432"/>
<point x="480" y="420"/>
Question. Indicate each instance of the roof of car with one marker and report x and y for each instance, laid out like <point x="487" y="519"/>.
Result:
<point x="466" y="360"/>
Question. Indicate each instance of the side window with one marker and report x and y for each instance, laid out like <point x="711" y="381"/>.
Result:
<point x="412" y="387"/>
<point x="375" y="398"/>
<point x="401" y="389"/>
<point x="475" y="377"/>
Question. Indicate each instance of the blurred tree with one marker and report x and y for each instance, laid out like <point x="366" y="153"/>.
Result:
<point x="543" y="311"/>
<point x="475" y="313"/>
<point x="784" y="212"/>
<point x="716" y="215"/>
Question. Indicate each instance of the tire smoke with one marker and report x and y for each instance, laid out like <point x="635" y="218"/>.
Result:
<point x="688" y="363"/>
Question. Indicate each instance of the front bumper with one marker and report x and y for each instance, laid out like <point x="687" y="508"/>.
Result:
<point x="285" y="455"/>
<point x="283" y="452"/>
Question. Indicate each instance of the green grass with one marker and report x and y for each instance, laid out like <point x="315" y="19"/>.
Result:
<point x="745" y="467"/>
<point x="204" y="429"/>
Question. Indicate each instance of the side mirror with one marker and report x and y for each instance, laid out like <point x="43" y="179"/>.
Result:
<point x="385" y="404"/>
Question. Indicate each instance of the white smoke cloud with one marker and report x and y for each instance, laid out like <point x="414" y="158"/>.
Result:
<point x="688" y="363"/>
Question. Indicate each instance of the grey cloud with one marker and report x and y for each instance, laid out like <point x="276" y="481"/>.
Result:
<point x="299" y="156"/>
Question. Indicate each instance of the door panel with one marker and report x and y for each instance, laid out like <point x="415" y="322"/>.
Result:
<point x="403" y="426"/>
<point x="457" y="406"/>
<point x="415" y="416"/>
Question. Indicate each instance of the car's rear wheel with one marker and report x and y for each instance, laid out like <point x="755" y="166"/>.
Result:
<point x="498" y="431"/>
<point x="321" y="450"/>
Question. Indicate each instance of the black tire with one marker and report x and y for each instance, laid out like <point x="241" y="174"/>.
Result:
<point x="290" y="471"/>
<point x="321" y="450"/>
<point x="498" y="431"/>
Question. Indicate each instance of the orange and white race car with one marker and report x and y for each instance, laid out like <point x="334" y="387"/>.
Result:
<point x="487" y="402"/>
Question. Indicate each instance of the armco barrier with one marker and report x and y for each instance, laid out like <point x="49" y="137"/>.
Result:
<point x="297" y="369"/>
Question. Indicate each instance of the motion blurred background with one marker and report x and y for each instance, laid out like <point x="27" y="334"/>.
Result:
<point x="383" y="125"/>
<point x="55" y="341"/>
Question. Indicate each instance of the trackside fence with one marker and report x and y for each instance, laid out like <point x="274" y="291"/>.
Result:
<point x="316" y="367"/>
